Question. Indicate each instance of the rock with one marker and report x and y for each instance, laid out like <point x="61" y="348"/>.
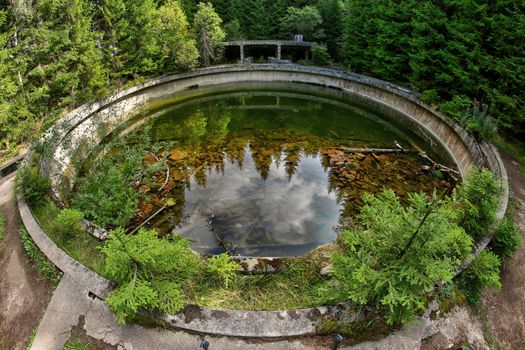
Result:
<point x="327" y="270"/>
<point x="177" y="154"/>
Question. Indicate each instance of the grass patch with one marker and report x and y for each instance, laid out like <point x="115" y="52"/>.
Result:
<point x="46" y="267"/>
<point x="77" y="344"/>
<point x="2" y="226"/>
<point x="31" y="338"/>
<point x="513" y="147"/>
<point x="299" y="284"/>
<point x="83" y="247"/>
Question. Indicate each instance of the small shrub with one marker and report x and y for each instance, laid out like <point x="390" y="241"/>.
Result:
<point x="479" y="198"/>
<point x="320" y="55"/>
<point x="32" y="185"/>
<point x="68" y="223"/>
<point x="221" y="269"/>
<point x="477" y="122"/>
<point x="483" y="272"/>
<point x="399" y="252"/>
<point x="149" y="272"/>
<point x="46" y="267"/>
<point x="456" y="108"/>
<point x="106" y="197"/>
<point x="507" y="239"/>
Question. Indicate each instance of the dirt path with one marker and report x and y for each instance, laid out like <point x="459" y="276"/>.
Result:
<point x="23" y="294"/>
<point x="505" y="309"/>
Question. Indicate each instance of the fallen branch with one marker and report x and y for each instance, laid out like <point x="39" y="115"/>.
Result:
<point x="435" y="164"/>
<point x="373" y="150"/>
<point x="147" y="220"/>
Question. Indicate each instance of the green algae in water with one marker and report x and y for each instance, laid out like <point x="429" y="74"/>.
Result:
<point x="264" y="173"/>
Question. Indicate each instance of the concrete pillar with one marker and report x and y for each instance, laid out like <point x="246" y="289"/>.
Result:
<point x="279" y="52"/>
<point x="242" y="52"/>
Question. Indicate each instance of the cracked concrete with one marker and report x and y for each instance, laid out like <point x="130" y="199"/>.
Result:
<point x="69" y="301"/>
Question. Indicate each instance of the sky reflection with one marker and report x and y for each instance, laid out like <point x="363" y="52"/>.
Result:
<point x="281" y="215"/>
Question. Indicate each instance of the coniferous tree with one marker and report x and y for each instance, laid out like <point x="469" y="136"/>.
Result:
<point x="207" y="26"/>
<point x="332" y="14"/>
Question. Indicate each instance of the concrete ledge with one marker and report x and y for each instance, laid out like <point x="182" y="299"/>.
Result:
<point x="88" y="279"/>
<point x="79" y="130"/>
<point x="12" y="165"/>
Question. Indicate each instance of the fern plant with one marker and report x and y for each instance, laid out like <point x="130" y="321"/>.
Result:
<point x="221" y="269"/>
<point x="149" y="271"/>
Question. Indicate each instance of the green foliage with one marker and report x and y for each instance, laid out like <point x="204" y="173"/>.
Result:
<point x="233" y="30"/>
<point x="81" y="246"/>
<point x="306" y="21"/>
<point x="46" y="267"/>
<point x="320" y="55"/>
<point x="207" y="26"/>
<point x="507" y="238"/>
<point x="483" y="272"/>
<point x="221" y="269"/>
<point x="178" y="49"/>
<point x="76" y="344"/>
<point x="32" y="185"/>
<point x="332" y="14"/>
<point x="452" y="52"/>
<point x="479" y="198"/>
<point x="106" y="196"/>
<point x="479" y="123"/>
<point x="397" y="253"/>
<point x="68" y="223"/>
<point x="2" y="226"/>
<point x="149" y="272"/>
<point x="56" y="55"/>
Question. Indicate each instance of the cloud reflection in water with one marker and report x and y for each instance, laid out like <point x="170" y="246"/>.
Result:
<point x="279" y="216"/>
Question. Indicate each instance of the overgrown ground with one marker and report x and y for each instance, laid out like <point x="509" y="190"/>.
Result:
<point x="24" y="294"/>
<point x="504" y="310"/>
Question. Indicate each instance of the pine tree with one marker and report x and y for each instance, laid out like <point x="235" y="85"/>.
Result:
<point x="207" y="26"/>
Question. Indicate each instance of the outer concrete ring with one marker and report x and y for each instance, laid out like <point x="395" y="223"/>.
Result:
<point x="283" y="323"/>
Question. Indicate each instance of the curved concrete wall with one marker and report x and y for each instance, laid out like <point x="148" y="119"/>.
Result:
<point x="76" y="135"/>
<point x="82" y="129"/>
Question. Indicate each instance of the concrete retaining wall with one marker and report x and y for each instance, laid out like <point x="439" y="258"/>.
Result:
<point x="82" y="129"/>
<point x="75" y="136"/>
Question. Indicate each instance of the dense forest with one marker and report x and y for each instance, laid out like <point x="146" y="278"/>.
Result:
<point x="465" y="57"/>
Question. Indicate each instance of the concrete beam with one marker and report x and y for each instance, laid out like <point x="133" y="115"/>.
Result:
<point x="270" y="42"/>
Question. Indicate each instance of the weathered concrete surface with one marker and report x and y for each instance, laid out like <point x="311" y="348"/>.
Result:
<point x="70" y="300"/>
<point x="98" y="285"/>
<point x="82" y="129"/>
<point x="456" y="327"/>
<point x="100" y="324"/>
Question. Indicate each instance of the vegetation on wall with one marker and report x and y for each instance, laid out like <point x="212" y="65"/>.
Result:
<point x="44" y="266"/>
<point x="2" y="226"/>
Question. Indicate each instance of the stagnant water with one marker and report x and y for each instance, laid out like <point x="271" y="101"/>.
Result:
<point x="270" y="172"/>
